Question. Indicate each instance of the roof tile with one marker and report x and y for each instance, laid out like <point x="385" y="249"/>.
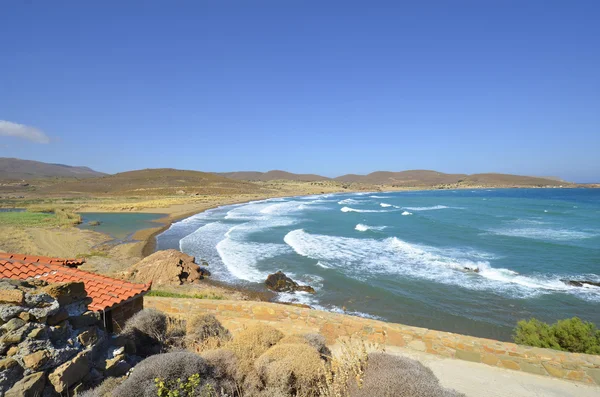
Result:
<point x="74" y="262"/>
<point x="104" y="291"/>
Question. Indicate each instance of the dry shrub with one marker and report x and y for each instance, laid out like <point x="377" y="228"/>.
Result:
<point x="346" y="368"/>
<point x="394" y="376"/>
<point x="206" y="333"/>
<point x="251" y="343"/>
<point x="294" y="368"/>
<point x="148" y="331"/>
<point x="168" y="367"/>
<point x="223" y="364"/>
<point x="104" y="389"/>
<point x="175" y="335"/>
<point x="317" y="341"/>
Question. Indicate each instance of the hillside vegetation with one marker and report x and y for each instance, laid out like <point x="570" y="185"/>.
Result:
<point x="572" y="335"/>
<point x="272" y="176"/>
<point x="154" y="182"/>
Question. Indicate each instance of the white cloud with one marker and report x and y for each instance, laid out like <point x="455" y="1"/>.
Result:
<point x="8" y="128"/>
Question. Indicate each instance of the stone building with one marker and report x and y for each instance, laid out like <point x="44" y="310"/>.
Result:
<point x="115" y="300"/>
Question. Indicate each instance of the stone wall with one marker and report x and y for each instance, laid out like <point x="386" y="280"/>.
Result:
<point x="236" y="315"/>
<point x="120" y="314"/>
<point x="50" y="344"/>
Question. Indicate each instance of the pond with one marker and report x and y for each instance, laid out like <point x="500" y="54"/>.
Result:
<point x="119" y="225"/>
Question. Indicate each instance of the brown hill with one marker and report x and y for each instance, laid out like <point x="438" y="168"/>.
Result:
<point x="272" y="176"/>
<point x="11" y="168"/>
<point x="511" y="180"/>
<point x="162" y="181"/>
<point x="406" y="178"/>
<point x="434" y="178"/>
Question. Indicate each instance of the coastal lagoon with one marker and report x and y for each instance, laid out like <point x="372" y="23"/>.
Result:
<point x="120" y="225"/>
<point x="467" y="261"/>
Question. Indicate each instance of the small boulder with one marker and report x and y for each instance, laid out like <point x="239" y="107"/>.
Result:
<point x="13" y="325"/>
<point x="57" y="318"/>
<point x="88" y="337"/>
<point x="69" y="373"/>
<point x="12" y="296"/>
<point x="30" y="386"/>
<point x="279" y="282"/>
<point x="7" y="363"/>
<point x="117" y="366"/>
<point x="67" y="293"/>
<point x="35" y="361"/>
<point x="85" y="320"/>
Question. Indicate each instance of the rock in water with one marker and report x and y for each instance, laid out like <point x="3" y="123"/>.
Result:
<point x="279" y="282"/>
<point x="580" y="283"/>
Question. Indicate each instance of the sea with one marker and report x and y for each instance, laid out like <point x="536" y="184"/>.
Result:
<point x="468" y="261"/>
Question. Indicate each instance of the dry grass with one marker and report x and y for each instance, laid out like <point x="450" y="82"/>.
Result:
<point x="293" y="368"/>
<point x="315" y="340"/>
<point x="206" y="333"/>
<point x="346" y="368"/>
<point x="104" y="389"/>
<point x="251" y="343"/>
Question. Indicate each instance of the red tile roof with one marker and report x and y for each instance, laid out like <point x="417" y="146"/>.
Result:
<point x="105" y="292"/>
<point x="41" y="259"/>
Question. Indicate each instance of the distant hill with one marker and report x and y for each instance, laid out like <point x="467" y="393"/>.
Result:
<point x="11" y="168"/>
<point x="408" y="178"/>
<point x="162" y="181"/>
<point x="272" y="176"/>
<point x="433" y="178"/>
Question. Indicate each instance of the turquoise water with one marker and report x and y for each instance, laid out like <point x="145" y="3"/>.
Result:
<point x="120" y="225"/>
<point x="409" y="257"/>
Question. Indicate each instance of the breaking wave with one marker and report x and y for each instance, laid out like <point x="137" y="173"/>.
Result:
<point x="363" y="228"/>
<point x="348" y="209"/>
<point x="545" y="234"/>
<point x="364" y="258"/>
<point x="435" y="207"/>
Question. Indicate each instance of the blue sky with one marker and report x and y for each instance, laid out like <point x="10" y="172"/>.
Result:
<point x="328" y="87"/>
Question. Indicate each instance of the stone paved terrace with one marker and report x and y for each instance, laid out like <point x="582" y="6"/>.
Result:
<point x="236" y="315"/>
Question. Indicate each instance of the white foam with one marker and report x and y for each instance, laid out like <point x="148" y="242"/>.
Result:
<point x="363" y="258"/>
<point x="363" y="228"/>
<point x="435" y="207"/>
<point x="324" y="266"/>
<point x="283" y="208"/>
<point x="300" y="297"/>
<point x="546" y="234"/>
<point x="348" y="209"/>
<point x="405" y="213"/>
<point x="384" y="205"/>
<point x="349" y="201"/>
<point x="240" y="258"/>
<point x="379" y="197"/>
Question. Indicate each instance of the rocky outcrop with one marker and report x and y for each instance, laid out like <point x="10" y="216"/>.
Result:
<point x="581" y="283"/>
<point x="168" y="267"/>
<point x="279" y="282"/>
<point x="50" y="344"/>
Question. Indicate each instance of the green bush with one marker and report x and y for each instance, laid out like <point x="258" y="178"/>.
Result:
<point x="573" y="335"/>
